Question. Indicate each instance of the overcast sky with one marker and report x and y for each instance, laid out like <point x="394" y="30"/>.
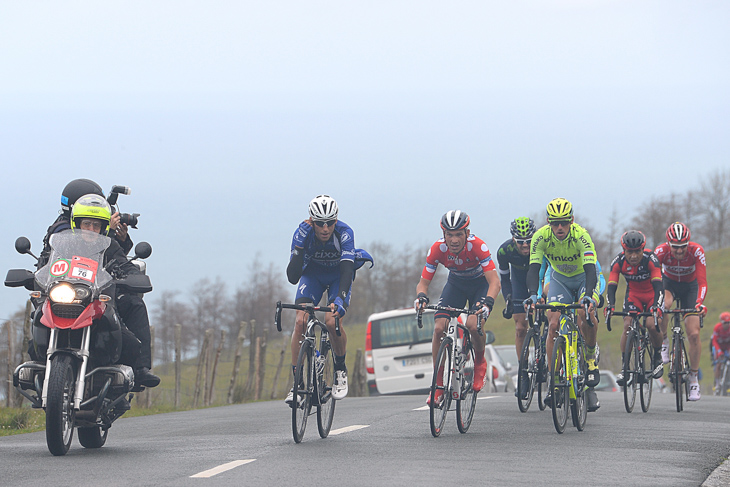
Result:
<point x="226" y="117"/>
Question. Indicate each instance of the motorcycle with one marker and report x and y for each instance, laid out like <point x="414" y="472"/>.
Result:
<point x="78" y="375"/>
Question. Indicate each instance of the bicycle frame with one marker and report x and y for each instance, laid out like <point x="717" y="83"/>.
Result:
<point x="569" y="329"/>
<point x="458" y="346"/>
<point x="679" y="377"/>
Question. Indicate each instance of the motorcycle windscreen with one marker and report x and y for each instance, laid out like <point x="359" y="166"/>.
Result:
<point x="76" y="256"/>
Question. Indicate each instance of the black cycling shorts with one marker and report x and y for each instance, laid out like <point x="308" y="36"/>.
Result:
<point x="458" y="291"/>
<point x="684" y="292"/>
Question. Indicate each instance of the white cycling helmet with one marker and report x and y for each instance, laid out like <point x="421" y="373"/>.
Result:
<point x="323" y="208"/>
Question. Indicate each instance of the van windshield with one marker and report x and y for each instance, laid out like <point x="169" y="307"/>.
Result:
<point x="401" y="330"/>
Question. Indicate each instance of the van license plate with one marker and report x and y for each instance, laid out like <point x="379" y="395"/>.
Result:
<point x="423" y="360"/>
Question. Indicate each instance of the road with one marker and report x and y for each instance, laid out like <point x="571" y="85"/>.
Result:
<point x="387" y="441"/>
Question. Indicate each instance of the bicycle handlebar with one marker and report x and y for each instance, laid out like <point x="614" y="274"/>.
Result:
<point x="454" y="312"/>
<point x="308" y="308"/>
<point x="686" y="311"/>
<point x="632" y="314"/>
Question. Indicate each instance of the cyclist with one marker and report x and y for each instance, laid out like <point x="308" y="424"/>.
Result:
<point x="720" y="347"/>
<point x="472" y="278"/>
<point x="323" y="258"/>
<point x="643" y="275"/>
<point x="570" y="251"/>
<point x="513" y="260"/>
<point x="685" y="279"/>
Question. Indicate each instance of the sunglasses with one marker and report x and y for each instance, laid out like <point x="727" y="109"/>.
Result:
<point x="321" y="223"/>
<point x="560" y="223"/>
<point x="678" y="247"/>
<point x="523" y="241"/>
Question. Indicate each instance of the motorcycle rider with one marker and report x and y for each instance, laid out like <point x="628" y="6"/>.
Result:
<point x="131" y="307"/>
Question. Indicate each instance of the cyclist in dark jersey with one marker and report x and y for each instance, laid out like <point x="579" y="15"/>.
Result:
<point x="643" y="274"/>
<point x="323" y="259"/>
<point x="513" y="260"/>
<point x="472" y="278"/>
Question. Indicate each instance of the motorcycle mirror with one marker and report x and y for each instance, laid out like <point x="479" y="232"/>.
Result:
<point x="22" y="245"/>
<point x="142" y="250"/>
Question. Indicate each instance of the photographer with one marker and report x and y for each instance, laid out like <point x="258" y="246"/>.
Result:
<point x="131" y="307"/>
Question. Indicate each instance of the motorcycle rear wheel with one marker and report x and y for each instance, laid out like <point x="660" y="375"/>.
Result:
<point x="60" y="412"/>
<point x="92" y="437"/>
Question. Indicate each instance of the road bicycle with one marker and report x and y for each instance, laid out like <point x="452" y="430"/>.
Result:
<point x="568" y="377"/>
<point x="724" y="375"/>
<point x="453" y="373"/>
<point x="315" y="372"/>
<point x="638" y="372"/>
<point x="679" y="361"/>
<point x="533" y="366"/>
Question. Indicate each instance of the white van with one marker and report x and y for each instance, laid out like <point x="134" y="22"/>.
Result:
<point x="398" y="353"/>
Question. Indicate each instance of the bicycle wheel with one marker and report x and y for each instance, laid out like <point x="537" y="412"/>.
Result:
<point x="725" y="378"/>
<point x="325" y="382"/>
<point x="527" y="371"/>
<point x="678" y="371"/>
<point x="468" y="398"/>
<point x="647" y="373"/>
<point x="559" y="385"/>
<point x="303" y="391"/>
<point x="630" y="371"/>
<point x="441" y="387"/>
<point x="579" y="409"/>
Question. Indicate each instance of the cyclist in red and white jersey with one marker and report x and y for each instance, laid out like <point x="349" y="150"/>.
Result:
<point x="473" y="278"/>
<point x="720" y="346"/>
<point x="685" y="279"/>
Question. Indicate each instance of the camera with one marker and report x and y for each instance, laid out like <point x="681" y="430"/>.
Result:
<point x="127" y="218"/>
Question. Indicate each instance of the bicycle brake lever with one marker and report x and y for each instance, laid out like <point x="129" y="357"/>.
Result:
<point x="337" y="324"/>
<point x="420" y="318"/>
<point x="277" y="316"/>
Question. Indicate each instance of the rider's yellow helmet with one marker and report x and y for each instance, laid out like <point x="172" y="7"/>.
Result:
<point x="559" y="209"/>
<point x="91" y="206"/>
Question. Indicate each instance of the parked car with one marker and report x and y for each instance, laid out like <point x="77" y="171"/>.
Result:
<point x="398" y="356"/>
<point x="508" y="353"/>
<point x="500" y="375"/>
<point x="608" y="382"/>
<point x="397" y="353"/>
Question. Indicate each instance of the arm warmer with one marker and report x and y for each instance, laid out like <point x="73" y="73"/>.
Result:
<point x="591" y="279"/>
<point x="533" y="276"/>
<point x="347" y="273"/>
<point x="296" y="266"/>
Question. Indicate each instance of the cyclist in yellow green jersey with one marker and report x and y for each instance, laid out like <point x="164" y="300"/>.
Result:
<point x="570" y="251"/>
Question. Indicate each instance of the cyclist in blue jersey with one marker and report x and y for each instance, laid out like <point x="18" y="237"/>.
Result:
<point x="513" y="260"/>
<point x="323" y="258"/>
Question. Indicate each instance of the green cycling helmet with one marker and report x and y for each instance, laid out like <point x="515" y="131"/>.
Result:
<point x="522" y="227"/>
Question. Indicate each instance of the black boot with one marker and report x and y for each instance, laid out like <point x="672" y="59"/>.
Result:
<point x="144" y="377"/>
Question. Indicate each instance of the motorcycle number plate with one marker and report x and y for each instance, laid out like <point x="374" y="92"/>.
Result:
<point x="83" y="268"/>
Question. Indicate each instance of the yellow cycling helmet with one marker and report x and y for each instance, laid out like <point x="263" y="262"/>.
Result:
<point x="559" y="209"/>
<point x="91" y="206"/>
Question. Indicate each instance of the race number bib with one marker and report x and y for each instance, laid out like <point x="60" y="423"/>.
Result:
<point x="83" y="268"/>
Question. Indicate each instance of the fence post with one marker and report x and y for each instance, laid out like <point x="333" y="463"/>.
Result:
<point x="26" y="331"/>
<point x="278" y="367"/>
<point x="237" y="361"/>
<point x="359" y="377"/>
<point x="251" y="359"/>
<point x="201" y="365"/>
<point x="211" y="393"/>
<point x="148" y="391"/>
<point x="178" y="363"/>
<point x="9" y="396"/>
<point x="208" y="365"/>
<point x="257" y="372"/>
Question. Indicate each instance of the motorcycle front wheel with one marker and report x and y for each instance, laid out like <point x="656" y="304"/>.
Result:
<point x="60" y="408"/>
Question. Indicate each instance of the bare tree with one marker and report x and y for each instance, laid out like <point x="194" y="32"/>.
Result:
<point x="714" y="207"/>
<point x="168" y="311"/>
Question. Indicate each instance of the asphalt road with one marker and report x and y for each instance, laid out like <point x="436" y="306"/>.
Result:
<point x="387" y="441"/>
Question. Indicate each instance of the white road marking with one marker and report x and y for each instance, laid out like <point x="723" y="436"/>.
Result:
<point x="426" y="408"/>
<point x="347" y="429"/>
<point x="220" y="469"/>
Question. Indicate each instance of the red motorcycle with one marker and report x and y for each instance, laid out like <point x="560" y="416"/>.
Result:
<point x="79" y="376"/>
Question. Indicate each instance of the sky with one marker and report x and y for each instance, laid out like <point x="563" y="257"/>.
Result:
<point x="226" y="117"/>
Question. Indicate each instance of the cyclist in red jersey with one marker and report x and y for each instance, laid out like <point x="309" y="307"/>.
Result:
<point x="685" y="279"/>
<point x="720" y="346"/>
<point x="643" y="275"/>
<point x="473" y="278"/>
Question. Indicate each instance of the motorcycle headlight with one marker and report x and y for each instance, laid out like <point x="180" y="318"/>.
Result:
<point x="82" y="292"/>
<point x="62" y="293"/>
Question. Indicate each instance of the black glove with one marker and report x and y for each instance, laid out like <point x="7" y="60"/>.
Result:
<point x="507" y="311"/>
